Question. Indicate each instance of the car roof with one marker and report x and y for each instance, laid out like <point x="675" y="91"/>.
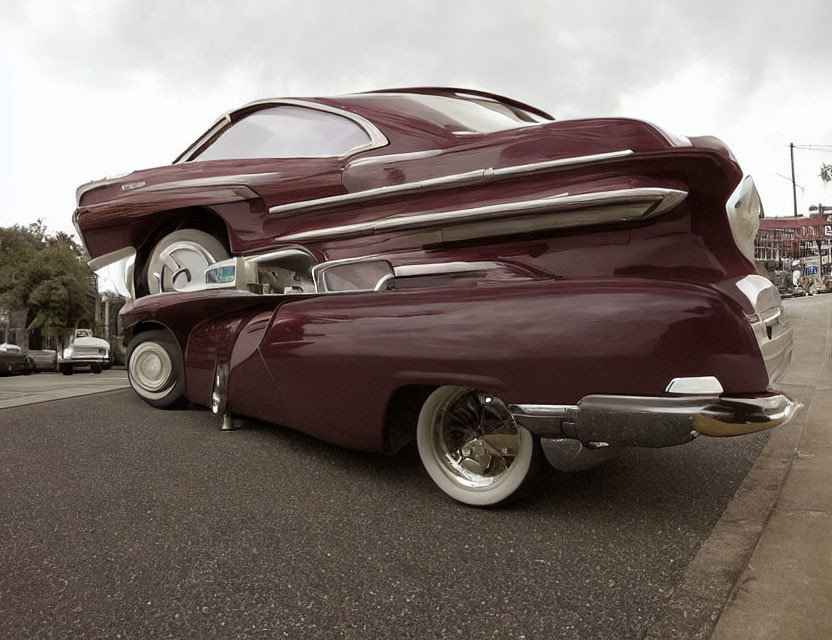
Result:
<point x="457" y="92"/>
<point x="378" y="107"/>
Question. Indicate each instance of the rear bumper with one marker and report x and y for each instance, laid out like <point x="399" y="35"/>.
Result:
<point x="636" y="421"/>
<point x="86" y="361"/>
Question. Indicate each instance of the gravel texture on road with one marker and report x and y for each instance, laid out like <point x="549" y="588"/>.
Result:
<point x="121" y="521"/>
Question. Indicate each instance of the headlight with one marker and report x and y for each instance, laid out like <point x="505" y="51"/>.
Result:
<point x="745" y="209"/>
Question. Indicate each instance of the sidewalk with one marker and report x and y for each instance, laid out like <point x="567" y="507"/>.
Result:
<point x="786" y="589"/>
<point x="41" y="387"/>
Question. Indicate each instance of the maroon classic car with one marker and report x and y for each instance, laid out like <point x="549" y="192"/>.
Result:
<point x="451" y="267"/>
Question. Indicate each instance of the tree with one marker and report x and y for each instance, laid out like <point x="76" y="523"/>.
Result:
<point x="45" y="274"/>
<point x="826" y="172"/>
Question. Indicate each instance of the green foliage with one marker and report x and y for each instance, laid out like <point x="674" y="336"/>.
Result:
<point x="45" y="274"/>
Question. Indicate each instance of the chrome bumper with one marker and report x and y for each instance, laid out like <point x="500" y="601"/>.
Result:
<point x="636" y="421"/>
<point x="85" y="360"/>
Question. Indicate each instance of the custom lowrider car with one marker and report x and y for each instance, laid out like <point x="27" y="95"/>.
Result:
<point x="450" y="267"/>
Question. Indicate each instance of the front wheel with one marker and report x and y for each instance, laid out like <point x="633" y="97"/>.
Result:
<point x="472" y="448"/>
<point x="156" y="370"/>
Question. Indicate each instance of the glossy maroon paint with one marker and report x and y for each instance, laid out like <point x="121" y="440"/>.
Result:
<point x="328" y="365"/>
<point x="603" y="309"/>
<point x="111" y="218"/>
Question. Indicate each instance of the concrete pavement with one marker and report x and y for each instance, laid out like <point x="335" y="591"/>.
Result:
<point x="16" y="391"/>
<point x="763" y="571"/>
<point x="786" y="589"/>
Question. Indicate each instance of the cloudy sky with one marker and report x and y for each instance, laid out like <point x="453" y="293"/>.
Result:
<point x="93" y="88"/>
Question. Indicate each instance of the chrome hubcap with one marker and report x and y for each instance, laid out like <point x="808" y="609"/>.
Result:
<point x="180" y="266"/>
<point x="150" y="369"/>
<point x="475" y="438"/>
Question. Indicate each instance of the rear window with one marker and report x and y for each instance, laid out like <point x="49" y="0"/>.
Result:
<point x="458" y="114"/>
<point x="287" y="132"/>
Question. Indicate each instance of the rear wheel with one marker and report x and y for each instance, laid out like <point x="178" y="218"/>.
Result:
<point x="66" y="369"/>
<point x="156" y="370"/>
<point x="472" y="448"/>
<point x="179" y="259"/>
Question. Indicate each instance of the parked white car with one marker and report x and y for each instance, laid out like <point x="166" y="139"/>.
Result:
<point x="85" y="351"/>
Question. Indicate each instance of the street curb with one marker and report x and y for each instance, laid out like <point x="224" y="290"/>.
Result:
<point x="75" y="397"/>
<point x="698" y="600"/>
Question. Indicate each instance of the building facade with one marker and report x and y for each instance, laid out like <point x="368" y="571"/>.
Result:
<point x="796" y="243"/>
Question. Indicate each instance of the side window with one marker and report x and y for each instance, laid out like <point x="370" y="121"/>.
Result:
<point x="287" y="132"/>
<point x="355" y="276"/>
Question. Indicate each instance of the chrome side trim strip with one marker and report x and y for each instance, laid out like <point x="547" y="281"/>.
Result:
<point x="368" y="195"/>
<point x="244" y="180"/>
<point x="447" y="182"/>
<point x="94" y="184"/>
<point x="395" y="157"/>
<point x="647" y="202"/>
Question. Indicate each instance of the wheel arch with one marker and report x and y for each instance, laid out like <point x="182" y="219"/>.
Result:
<point x="166" y="221"/>
<point x="401" y="415"/>
<point x="143" y="326"/>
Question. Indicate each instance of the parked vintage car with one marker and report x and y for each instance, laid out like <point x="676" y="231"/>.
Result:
<point x="85" y="352"/>
<point x="13" y="360"/>
<point x="454" y="268"/>
<point x="44" y="359"/>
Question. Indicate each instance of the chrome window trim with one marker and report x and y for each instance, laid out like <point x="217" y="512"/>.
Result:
<point x="448" y="182"/>
<point x="279" y="253"/>
<point x="656" y="200"/>
<point x="321" y="268"/>
<point x="223" y="121"/>
<point x="400" y="271"/>
<point x="380" y="285"/>
<point x="441" y="268"/>
<point x="377" y="138"/>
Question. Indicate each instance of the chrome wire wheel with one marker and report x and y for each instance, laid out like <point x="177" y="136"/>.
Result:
<point x="471" y="446"/>
<point x="150" y="370"/>
<point x="178" y="261"/>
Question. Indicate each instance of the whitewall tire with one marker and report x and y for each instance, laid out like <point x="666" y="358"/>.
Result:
<point x="472" y="448"/>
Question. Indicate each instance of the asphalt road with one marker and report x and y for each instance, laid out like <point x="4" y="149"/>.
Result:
<point x="121" y="521"/>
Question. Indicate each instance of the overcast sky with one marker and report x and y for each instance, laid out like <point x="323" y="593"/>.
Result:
<point x="93" y="88"/>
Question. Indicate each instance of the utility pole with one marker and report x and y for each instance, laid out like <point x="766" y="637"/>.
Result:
<point x="794" y="187"/>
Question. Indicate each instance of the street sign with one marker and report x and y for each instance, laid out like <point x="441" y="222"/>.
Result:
<point x="827" y="230"/>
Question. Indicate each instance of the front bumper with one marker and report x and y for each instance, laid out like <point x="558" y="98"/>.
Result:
<point x="637" y="421"/>
<point x="86" y="361"/>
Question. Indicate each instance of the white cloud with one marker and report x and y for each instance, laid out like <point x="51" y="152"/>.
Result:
<point x="98" y="87"/>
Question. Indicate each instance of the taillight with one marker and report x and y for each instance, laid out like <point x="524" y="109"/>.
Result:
<point x="745" y="209"/>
